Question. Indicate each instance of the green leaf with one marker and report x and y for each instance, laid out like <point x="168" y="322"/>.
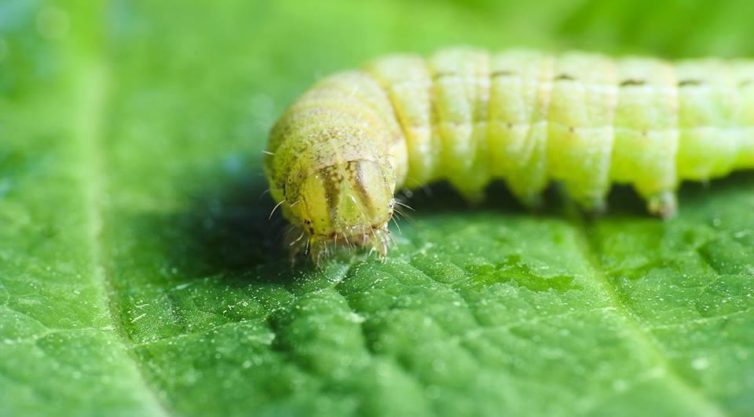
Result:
<point x="140" y="275"/>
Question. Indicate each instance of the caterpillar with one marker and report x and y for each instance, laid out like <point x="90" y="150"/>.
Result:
<point x="336" y="157"/>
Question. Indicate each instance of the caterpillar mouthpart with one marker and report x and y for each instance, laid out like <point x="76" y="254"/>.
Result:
<point x="345" y="204"/>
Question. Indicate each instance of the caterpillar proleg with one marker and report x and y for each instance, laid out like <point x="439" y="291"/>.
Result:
<point x="339" y="153"/>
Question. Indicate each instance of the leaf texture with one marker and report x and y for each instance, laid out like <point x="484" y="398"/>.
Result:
<point x="140" y="275"/>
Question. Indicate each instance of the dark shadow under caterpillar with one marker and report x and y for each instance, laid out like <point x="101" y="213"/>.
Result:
<point x="338" y="154"/>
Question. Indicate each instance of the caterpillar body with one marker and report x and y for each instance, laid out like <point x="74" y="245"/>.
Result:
<point x="336" y="157"/>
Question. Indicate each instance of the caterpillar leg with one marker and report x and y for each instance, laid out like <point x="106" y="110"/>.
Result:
<point x="592" y="204"/>
<point x="530" y="200"/>
<point x="472" y="194"/>
<point x="379" y="242"/>
<point x="300" y="242"/>
<point x="318" y="248"/>
<point x="663" y="204"/>
<point x="528" y="187"/>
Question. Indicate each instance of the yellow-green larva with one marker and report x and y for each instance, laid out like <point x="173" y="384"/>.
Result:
<point x="339" y="153"/>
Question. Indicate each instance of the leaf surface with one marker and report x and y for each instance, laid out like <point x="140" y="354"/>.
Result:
<point x="140" y="275"/>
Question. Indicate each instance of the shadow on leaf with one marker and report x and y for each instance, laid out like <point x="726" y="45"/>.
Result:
<point x="228" y="231"/>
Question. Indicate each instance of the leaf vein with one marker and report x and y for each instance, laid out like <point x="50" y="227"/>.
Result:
<point x="590" y="251"/>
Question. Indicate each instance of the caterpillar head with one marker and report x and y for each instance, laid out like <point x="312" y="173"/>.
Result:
<point x="348" y="203"/>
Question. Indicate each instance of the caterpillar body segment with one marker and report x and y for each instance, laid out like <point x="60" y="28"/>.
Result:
<point x="339" y="153"/>
<point x="461" y="104"/>
<point x="521" y="85"/>
<point x="408" y="84"/>
<point x="646" y="135"/>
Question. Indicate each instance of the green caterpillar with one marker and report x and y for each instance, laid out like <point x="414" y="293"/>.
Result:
<point x="338" y="154"/>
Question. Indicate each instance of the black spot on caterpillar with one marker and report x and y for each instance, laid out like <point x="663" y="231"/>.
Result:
<point x="338" y="154"/>
<point x="687" y="83"/>
<point x="502" y="73"/>
<point x="632" y="83"/>
<point x="564" y="77"/>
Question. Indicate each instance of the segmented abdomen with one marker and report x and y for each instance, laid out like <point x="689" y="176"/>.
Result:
<point x="529" y="118"/>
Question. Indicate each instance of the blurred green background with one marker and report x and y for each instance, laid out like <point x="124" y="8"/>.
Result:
<point x="140" y="275"/>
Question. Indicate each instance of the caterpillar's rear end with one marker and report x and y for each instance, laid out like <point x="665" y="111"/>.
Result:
<point x="340" y="152"/>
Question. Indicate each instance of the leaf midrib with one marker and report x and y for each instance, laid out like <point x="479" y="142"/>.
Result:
<point x="589" y="251"/>
<point x="91" y="88"/>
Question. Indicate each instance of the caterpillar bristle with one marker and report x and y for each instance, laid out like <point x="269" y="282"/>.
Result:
<point x="275" y="208"/>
